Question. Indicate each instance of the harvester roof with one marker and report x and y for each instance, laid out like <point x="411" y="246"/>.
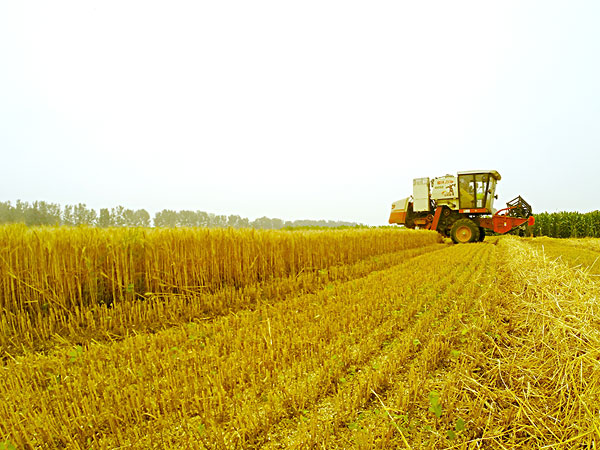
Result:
<point x="494" y="173"/>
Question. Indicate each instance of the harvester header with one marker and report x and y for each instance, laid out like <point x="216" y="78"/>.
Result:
<point x="460" y="207"/>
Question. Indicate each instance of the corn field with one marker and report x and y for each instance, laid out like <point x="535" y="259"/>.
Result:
<point x="567" y="224"/>
<point x="223" y="339"/>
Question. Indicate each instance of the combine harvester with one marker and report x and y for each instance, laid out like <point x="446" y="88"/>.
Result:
<point x="460" y="207"/>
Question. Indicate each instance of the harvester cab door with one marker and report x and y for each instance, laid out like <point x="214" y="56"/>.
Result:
<point x="489" y="203"/>
<point x="473" y="191"/>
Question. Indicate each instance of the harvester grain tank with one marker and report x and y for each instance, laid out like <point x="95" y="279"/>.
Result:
<point x="460" y="207"/>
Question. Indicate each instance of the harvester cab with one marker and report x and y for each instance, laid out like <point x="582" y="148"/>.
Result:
<point x="460" y="207"/>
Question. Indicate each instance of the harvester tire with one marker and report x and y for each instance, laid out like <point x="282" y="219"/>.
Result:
<point x="481" y="234"/>
<point x="464" y="231"/>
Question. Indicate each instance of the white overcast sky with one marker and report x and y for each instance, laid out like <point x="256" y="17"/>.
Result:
<point x="306" y="109"/>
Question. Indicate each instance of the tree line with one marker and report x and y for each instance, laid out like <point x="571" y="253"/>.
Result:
<point x="44" y="213"/>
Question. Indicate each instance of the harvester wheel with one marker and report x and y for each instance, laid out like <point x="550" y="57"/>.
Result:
<point x="481" y="234"/>
<point x="464" y="231"/>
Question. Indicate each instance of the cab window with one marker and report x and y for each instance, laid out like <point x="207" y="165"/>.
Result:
<point x="473" y="190"/>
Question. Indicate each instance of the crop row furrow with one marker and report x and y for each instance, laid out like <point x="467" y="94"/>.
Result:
<point x="404" y="371"/>
<point x="355" y="385"/>
<point x="347" y="353"/>
<point x="332" y="366"/>
<point x="207" y="371"/>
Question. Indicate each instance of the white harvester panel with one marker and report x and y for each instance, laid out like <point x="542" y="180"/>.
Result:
<point x="443" y="188"/>
<point x="421" y="194"/>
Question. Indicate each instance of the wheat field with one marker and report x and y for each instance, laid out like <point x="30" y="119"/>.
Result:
<point x="338" y="339"/>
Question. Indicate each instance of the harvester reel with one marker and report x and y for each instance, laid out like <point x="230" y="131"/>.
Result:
<point x="519" y="208"/>
<point x="464" y="231"/>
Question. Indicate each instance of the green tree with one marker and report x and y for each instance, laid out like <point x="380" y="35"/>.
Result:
<point x="277" y="224"/>
<point x="117" y="215"/>
<point x="6" y="212"/>
<point x="142" y="218"/>
<point x="262" y="222"/>
<point x="83" y="215"/>
<point x="187" y="218"/>
<point x="203" y="219"/>
<point x="236" y="221"/>
<point x="165" y="218"/>
<point x="68" y="218"/>
<point x="104" y="219"/>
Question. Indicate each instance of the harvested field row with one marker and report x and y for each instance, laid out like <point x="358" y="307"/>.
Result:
<point x="488" y="345"/>
<point x="230" y="379"/>
<point x="400" y="374"/>
<point x="518" y="370"/>
<point x="583" y="254"/>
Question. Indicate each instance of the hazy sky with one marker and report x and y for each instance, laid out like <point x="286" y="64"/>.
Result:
<point x="312" y="109"/>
